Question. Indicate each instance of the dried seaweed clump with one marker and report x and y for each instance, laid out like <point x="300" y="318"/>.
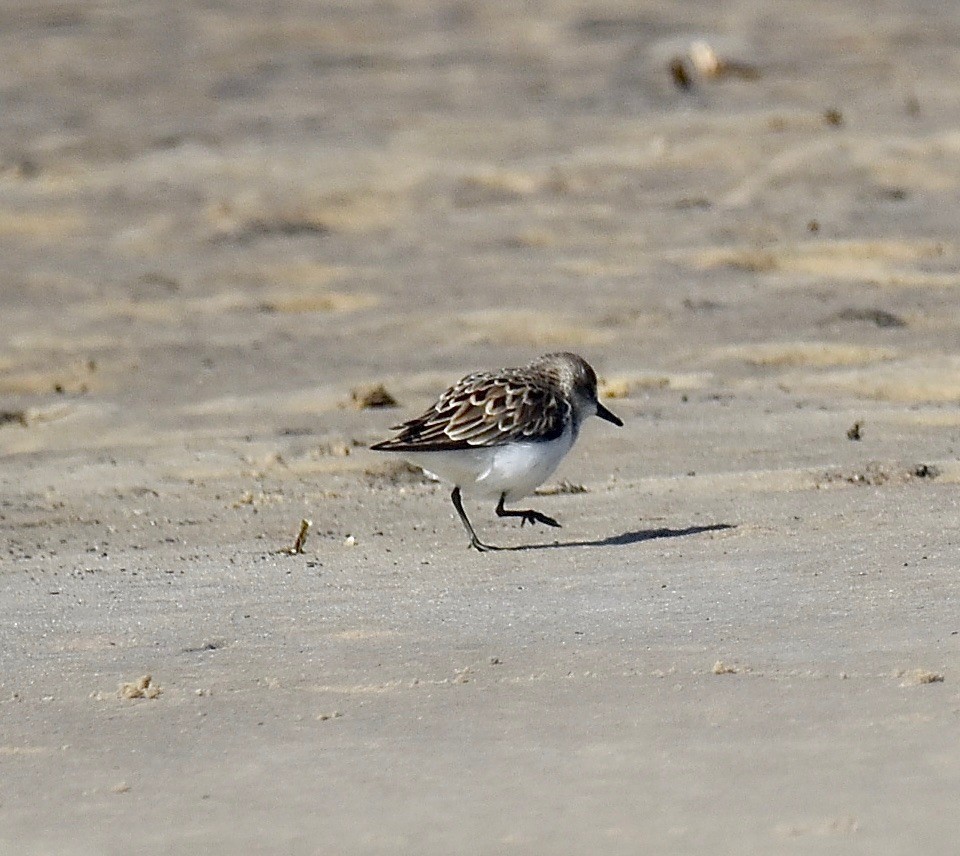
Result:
<point x="142" y="688"/>
<point x="375" y="395"/>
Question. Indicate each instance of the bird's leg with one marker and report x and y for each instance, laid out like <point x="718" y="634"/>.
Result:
<point x="475" y="542"/>
<point x="528" y="515"/>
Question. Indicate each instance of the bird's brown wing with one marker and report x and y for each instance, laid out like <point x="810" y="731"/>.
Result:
<point x="483" y="409"/>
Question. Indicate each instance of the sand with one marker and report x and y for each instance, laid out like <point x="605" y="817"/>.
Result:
<point x="225" y="226"/>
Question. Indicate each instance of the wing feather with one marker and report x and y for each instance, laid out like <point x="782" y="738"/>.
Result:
<point x="484" y="409"/>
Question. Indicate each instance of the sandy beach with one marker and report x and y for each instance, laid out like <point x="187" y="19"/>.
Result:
<point x="225" y="223"/>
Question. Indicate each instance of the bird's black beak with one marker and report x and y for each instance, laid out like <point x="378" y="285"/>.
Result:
<point x="603" y="413"/>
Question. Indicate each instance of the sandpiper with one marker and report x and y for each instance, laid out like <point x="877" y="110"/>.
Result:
<point x="501" y="434"/>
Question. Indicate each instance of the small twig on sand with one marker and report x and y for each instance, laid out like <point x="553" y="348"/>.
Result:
<point x="297" y="548"/>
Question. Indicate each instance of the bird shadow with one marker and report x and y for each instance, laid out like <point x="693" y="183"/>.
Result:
<point x="624" y="539"/>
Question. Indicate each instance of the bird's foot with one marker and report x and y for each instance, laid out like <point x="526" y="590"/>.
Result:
<point x="530" y="516"/>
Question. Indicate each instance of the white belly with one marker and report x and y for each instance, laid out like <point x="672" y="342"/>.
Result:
<point x="515" y="470"/>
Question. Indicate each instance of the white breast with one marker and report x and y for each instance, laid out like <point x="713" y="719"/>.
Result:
<point x="515" y="469"/>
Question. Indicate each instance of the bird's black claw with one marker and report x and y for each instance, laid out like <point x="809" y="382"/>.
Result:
<point x="532" y="517"/>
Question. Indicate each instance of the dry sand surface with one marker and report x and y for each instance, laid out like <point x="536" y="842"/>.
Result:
<point x="223" y="221"/>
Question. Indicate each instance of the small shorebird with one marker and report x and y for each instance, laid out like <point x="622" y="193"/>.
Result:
<point x="500" y="434"/>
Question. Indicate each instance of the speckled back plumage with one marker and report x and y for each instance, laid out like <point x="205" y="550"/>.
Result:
<point x="532" y="403"/>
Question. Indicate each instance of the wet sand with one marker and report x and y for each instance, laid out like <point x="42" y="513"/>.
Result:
<point x="221" y="220"/>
